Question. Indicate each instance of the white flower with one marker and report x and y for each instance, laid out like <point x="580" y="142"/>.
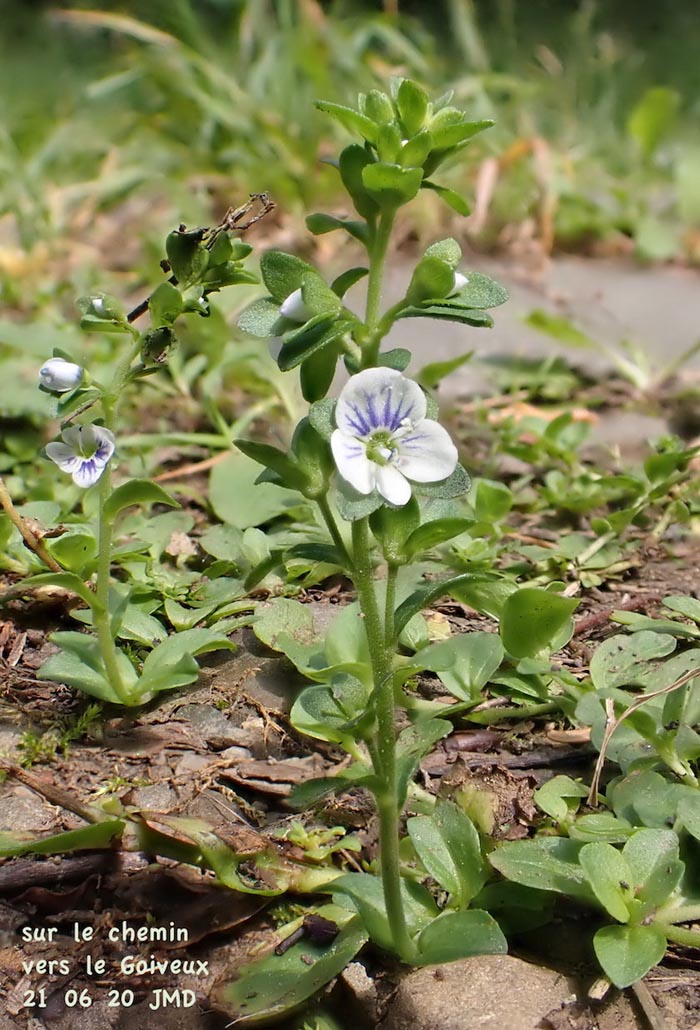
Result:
<point x="275" y="344"/>
<point x="84" y="452"/>
<point x="460" y="282"/>
<point x="295" y="309"/>
<point x="60" y="375"/>
<point x="383" y="438"/>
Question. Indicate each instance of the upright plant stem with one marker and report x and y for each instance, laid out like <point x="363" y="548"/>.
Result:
<point x="101" y="615"/>
<point x="390" y="606"/>
<point x="332" y="525"/>
<point x="377" y="257"/>
<point x="384" y="751"/>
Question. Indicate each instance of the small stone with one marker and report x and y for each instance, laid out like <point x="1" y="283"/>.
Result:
<point x="231" y="755"/>
<point x="491" y="992"/>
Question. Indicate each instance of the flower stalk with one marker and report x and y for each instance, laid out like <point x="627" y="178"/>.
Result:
<point x="383" y="749"/>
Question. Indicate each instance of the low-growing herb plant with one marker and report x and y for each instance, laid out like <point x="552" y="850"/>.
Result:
<point x="382" y="471"/>
<point x="384" y="477"/>
<point x="199" y="262"/>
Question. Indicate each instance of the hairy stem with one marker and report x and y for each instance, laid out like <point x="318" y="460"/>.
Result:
<point x="332" y="525"/>
<point x="101" y="615"/>
<point x="384" y="745"/>
<point x="377" y="257"/>
<point x="679" y="935"/>
<point x="390" y="606"/>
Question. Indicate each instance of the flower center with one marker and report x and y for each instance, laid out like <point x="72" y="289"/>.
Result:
<point x="381" y="447"/>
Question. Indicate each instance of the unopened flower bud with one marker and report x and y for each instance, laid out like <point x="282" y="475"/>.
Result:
<point x="60" y="376"/>
<point x="295" y="309"/>
<point x="459" y="283"/>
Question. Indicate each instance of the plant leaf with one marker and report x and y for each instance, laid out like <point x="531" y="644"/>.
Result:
<point x="456" y="935"/>
<point x="277" y="985"/>
<point x="626" y="953"/>
<point x="137" y="491"/>
<point x="448" y="846"/>
<point x="532" y="619"/>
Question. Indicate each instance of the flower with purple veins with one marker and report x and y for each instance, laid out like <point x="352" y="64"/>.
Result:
<point x="383" y="438"/>
<point x="84" y="452"/>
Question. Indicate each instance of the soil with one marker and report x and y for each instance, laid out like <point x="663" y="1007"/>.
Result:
<point x="224" y="752"/>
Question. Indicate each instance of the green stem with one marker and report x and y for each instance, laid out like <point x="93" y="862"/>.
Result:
<point x="679" y="914"/>
<point x="332" y="525"/>
<point x="101" y="615"/>
<point x="102" y="620"/>
<point x="679" y="935"/>
<point x="377" y="257"/>
<point x="491" y="715"/>
<point x="384" y="744"/>
<point x="390" y="606"/>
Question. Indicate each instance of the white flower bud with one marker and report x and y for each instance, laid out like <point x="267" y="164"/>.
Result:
<point x="459" y="283"/>
<point x="295" y="309"/>
<point x="60" y="376"/>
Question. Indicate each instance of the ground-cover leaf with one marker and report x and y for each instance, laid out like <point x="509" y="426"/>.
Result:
<point x="547" y="863"/>
<point x="412" y="745"/>
<point x="67" y="581"/>
<point x="560" y="797"/>
<point x="652" y="856"/>
<point x="86" y="838"/>
<point x="533" y="620"/>
<point x="637" y="623"/>
<point x="133" y="624"/>
<point x="428" y="592"/>
<point x="688" y="606"/>
<point x="626" y="953"/>
<point x="610" y="878"/>
<point x="237" y="501"/>
<point x="627" y="660"/>
<point x="456" y="935"/>
<point x="277" y="985"/>
<point x="330" y="711"/>
<point x="79" y="664"/>
<point x="283" y="273"/>
<point x="76" y="552"/>
<point x="689" y="813"/>
<point x="448" y="845"/>
<point x="367" y="895"/>
<point x="216" y="855"/>
<point x="601" y="826"/>
<point x="464" y="663"/>
<point x="273" y="458"/>
<point x="646" y="797"/>
<point x="172" y="663"/>
<point x="447" y="312"/>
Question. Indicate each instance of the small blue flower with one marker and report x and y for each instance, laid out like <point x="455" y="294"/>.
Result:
<point x="383" y="438"/>
<point x="84" y="452"/>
